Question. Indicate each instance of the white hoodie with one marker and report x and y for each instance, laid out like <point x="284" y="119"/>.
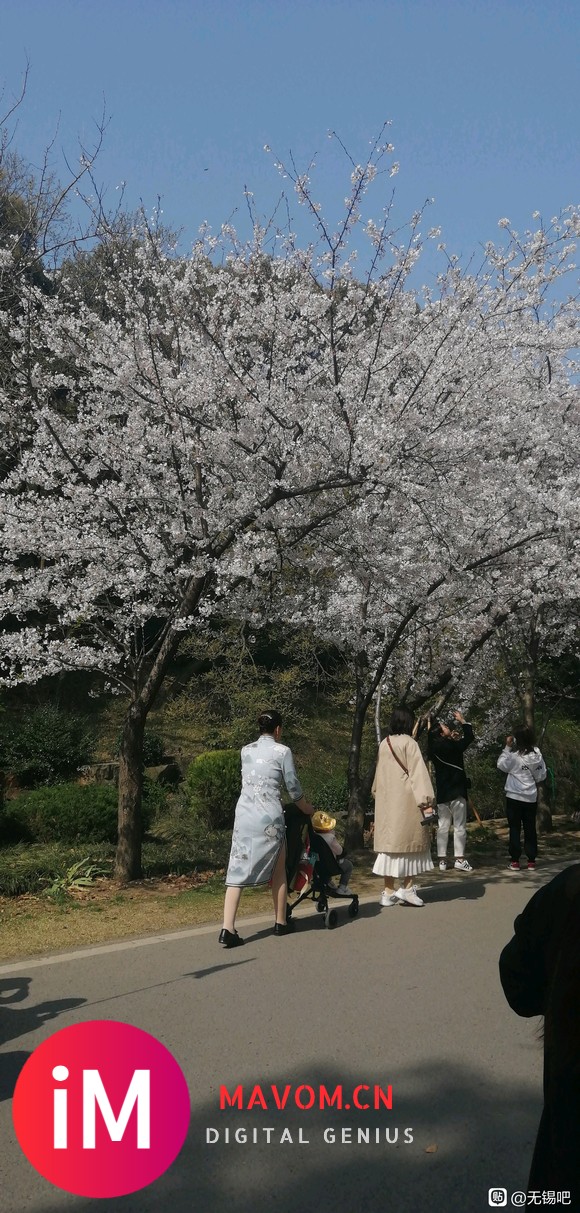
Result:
<point x="525" y="771"/>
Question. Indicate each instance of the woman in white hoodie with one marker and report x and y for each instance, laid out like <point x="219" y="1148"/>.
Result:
<point x="525" y="768"/>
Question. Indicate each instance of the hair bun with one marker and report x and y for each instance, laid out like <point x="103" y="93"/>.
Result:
<point x="269" y="721"/>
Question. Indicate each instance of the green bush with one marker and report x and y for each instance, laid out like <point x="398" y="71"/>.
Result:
<point x="214" y="782"/>
<point x="487" y="783"/>
<point x="330" y="794"/>
<point x="44" y="746"/>
<point x="71" y="812"/>
<point x="154" y="800"/>
<point x="13" y="827"/>
<point x="153" y="749"/>
<point x="186" y="837"/>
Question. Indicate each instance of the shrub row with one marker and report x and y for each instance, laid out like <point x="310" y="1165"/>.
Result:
<point x="71" y="812"/>
<point x="214" y="783"/>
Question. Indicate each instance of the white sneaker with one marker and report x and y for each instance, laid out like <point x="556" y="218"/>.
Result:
<point x="388" y="899"/>
<point x="344" y="891"/>
<point x="409" y="897"/>
<point x="442" y="865"/>
<point x="462" y="865"/>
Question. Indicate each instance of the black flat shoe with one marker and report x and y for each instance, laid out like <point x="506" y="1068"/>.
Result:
<point x="284" y="928"/>
<point x="230" y="939"/>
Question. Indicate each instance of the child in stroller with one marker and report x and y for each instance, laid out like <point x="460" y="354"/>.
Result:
<point x="324" y="824"/>
<point x="311" y="864"/>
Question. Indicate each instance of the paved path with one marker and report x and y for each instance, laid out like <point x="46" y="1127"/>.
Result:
<point x="409" y="997"/>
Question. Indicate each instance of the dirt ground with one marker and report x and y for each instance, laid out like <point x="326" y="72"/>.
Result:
<point x="34" y="925"/>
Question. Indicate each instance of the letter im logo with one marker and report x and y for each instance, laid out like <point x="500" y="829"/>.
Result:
<point x="101" y="1109"/>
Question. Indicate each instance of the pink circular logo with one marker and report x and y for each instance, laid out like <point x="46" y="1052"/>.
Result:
<point x="101" y="1109"/>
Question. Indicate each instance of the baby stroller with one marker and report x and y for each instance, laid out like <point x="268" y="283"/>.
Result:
<point x="307" y="854"/>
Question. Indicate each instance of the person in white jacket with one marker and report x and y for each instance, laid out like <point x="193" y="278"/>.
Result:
<point x="525" y="768"/>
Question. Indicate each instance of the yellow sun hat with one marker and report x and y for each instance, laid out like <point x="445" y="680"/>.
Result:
<point x="323" y="822"/>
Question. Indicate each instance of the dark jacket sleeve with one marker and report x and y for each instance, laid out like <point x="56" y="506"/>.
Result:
<point x="522" y="967"/>
<point x="527" y="961"/>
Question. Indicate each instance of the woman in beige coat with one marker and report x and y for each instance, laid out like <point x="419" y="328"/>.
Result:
<point x="401" y="788"/>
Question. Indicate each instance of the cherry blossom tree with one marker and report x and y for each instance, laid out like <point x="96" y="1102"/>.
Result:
<point x="538" y="653"/>
<point x="172" y="438"/>
<point x="474" y="492"/>
<point x="37" y="231"/>
<point x="416" y="628"/>
<point x="262" y="409"/>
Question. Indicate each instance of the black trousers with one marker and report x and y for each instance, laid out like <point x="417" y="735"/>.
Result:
<point x="522" y="813"/>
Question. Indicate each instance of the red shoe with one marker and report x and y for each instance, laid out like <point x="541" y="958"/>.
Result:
<point x="531" y="865"/>
<point x="514" y="866"/>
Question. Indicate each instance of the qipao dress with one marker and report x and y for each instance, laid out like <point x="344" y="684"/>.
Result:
<point x="259" y="830"/>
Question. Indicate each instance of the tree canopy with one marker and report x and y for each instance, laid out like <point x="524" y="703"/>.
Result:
<point x="254" y="432"/>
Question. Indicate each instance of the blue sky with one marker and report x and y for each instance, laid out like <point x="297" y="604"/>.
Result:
<point x="484" y="99"/>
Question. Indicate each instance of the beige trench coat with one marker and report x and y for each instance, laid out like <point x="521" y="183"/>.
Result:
<point x="398" y="828"/>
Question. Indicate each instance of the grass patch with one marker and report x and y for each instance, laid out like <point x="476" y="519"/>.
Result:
<point x="36" y="926"/>
<point x="185" y="895"/>
<point x="32" y="867"/>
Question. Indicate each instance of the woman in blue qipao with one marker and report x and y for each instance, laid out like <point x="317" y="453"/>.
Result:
<point x="258" y="853"/>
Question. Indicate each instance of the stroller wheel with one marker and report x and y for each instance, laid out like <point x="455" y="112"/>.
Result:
<point x="288" y="913"/>
<point x="353" y="908"/>
<point x="330" y="918"/>
<point x="322" y="905"/>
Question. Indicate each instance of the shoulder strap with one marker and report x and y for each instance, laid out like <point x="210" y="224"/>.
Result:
<point x="453" y="765"/>
<point x="403" y="768"/>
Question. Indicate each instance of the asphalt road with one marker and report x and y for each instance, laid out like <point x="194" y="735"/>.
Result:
<point x="402" y="996"/>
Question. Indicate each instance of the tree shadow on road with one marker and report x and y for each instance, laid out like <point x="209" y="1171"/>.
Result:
<point x="472" y="886"/>
<point x="16" y="1022"/>
<point x="469" y="1134"/>
<point x="209" y="972"/>
<point x="456" y="890"/>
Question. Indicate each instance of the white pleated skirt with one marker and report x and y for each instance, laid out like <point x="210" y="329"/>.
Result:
<point x="402" y="865"/>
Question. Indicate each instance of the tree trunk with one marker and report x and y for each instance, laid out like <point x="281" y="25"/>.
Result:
<point x="147" y="686"/>
<point x="545" y="820"/>
<point x="355" y="817"/>
<point x="128" y="856"/>
<point x="358" y="786"/>
<point x="528" y="700"/>
<point x="354" y="838"/>
<point x="354" y="833"/>
<point x="378" y="731"/>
